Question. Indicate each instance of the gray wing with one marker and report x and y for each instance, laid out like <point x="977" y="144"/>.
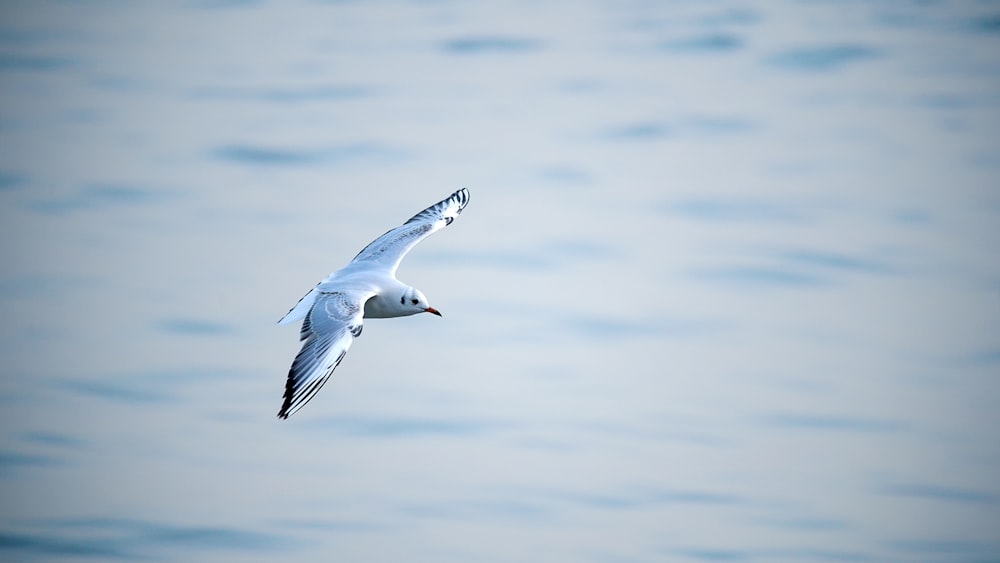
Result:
<point x="388" y="250"/>
<point x="333" y="322"/>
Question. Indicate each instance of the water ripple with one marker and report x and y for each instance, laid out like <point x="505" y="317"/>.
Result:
<point x="646" y="498"/>
<point x="802" y="554"/>
<point x="747" y="210"/>
<point x="836" y="423"/>
<point x="130" y="539"/>
<point x="949" y="549"/>
<point x="266" y="156"/>
<point x="762" y="276"/>
<point x="9" y="181"/>
<point x="227" y="4"/>
<point x="326" y="93"/>
<point x="565" y="175"/>
<point x="640" y="131"/>
<point x="52" y="439"/>
<point x="195" y="327"/>
<point x="148" y="387"/>
<point x="823" y="58"/>
<point x="732" y="16"/>
<point x="11" y="460"/>
<point x="710" y="554"/>
<point x="257" y="155"/>
<point x="127" y="392"/>
<point x="834" y="260"/>
<point x="478" y="510"/>
<point x="942" y="492"/>
<point x="403" y="427"/>
<point x="46" y="545"/>
<point x="714" y="43"/>
<point x="34" y="63"/>
<point x="986" y="24"/>
<point x="97" y="196"/>
<point x="490" y="44"/>
<point x="812" y="524"/>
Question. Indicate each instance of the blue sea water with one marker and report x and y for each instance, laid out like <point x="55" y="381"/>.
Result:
<point x="727" y="288"/>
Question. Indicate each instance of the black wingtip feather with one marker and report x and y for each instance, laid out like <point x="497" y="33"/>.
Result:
<point x="294" y="398"/>
<point x="461" y="197"/>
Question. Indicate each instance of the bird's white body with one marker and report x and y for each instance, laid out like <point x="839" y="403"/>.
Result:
<point x="333" y="312"/>
<point x="361" y="281"/>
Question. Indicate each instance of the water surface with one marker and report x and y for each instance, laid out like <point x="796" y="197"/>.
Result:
<point x="727" y="287"/>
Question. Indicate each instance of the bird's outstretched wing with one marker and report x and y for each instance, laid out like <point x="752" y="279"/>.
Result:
<point x="388" y="250"/>
<point x="333" y="322"/>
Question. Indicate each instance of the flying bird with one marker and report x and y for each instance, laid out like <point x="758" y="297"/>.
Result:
<point x="333" y="312"/>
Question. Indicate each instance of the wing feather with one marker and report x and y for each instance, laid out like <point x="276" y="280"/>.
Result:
<point x="389" y="249"/>
<point x="327" y="333"/>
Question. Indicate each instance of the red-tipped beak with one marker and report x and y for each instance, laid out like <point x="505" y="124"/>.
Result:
<point x="432" y="311"/>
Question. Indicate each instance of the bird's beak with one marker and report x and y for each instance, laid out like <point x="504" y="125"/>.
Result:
<point x="433" y="311"/>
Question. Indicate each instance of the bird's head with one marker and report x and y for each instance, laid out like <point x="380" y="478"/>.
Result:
<point x="417" y="302"/>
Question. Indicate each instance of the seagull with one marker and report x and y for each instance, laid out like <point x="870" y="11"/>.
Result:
<point x="333" y="312"/>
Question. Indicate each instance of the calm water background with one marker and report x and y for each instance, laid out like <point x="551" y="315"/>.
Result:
<point x="728" y="287"/>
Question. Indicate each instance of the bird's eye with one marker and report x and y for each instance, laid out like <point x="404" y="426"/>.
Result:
<point x="414" y="301"/>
